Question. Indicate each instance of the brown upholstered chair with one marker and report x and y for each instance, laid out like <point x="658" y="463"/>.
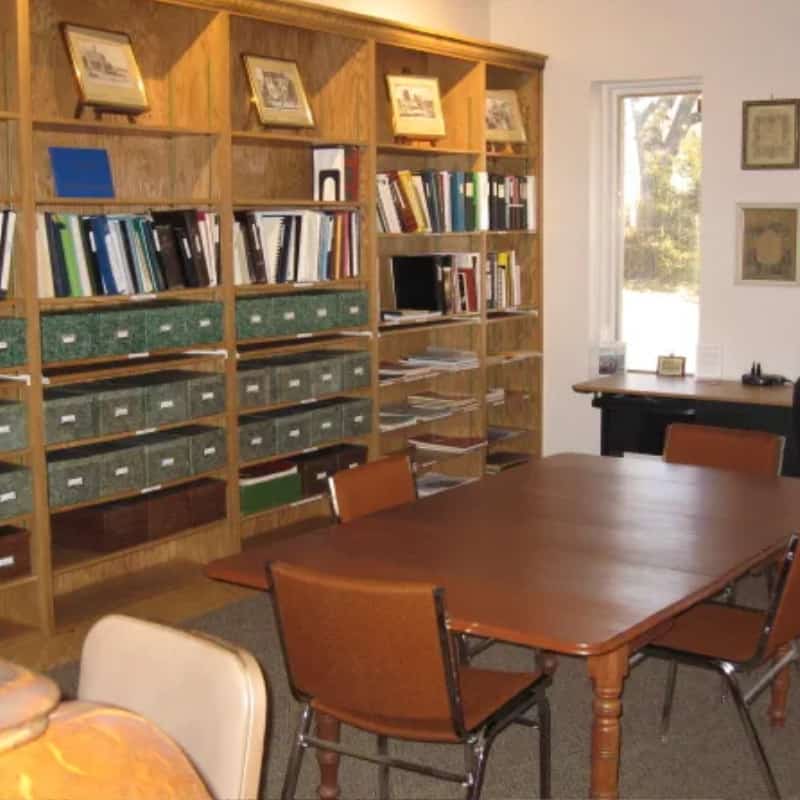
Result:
<point x="755" y="452"/>
<point x="372" y="487"/>
<point x="378" y="655"/>
<point x="208" y="696"/>
<point x="737" y="640"/>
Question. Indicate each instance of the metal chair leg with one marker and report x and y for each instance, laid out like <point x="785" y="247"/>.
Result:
<point x="669" y="693"/>
<point x="477" y="752"/>
<point x="383" y="769"/>
<point x="750" y="731"/>
<point x="296" y="756"/>
<point x="543" y="713"/>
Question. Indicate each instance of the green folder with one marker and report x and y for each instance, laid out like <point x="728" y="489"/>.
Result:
<point x="279" y="486"/>
<point x="68" y="246"/>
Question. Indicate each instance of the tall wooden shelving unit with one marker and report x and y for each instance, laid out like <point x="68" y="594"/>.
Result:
<point x="200" y="145"/>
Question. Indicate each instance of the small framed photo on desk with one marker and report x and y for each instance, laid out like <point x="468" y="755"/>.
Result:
<point x="671" y="366"/>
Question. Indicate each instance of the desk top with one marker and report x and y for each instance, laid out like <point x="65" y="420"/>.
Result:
<point x="575" y="554"/>
<point x="651" y="385"/>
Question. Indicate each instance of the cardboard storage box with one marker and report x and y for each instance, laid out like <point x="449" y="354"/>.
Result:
<point x="325" y="372"/>
<point x="206" y="391"/>
<point x="254" y="384"/>
<point x="166" y="396"/>
<point x="167" y="457"/>
<point x="269" y="486"/>
<point x="207" y="501"/>
<point x="13" y="426"/>
<point x="118" y="409"/>
<point x="69" y="415"/>
<point x="207" y="448"/>
<point x="73" y="476"/>
<point x="164" y="326"/>
<point x="326" y="421"/>
<point x="290" y="378"/>
<point x="356" y="416"/>
<point x="292" y="430"/>
<point x="68" y="336"/>
<point x="15" y="490"/>
<point x="102" y="528"/>
<point x="353" y="308"/>
<point x="13" y="347"/>
<point x="315" y="469"/>
<point x="15" y="552"/>
<point x="168" y="512"/>
<point x="203" y="323"/>
<point x="119" y="332"/>
<point x="319" y="311"/>
<point x="256" y="437"/>
<point x="349" y="456"/>
<point x="356" y="371"/>
<point x="288" y="314"/>
<point x="122" y="466"/>
<point x="254" y="318"/>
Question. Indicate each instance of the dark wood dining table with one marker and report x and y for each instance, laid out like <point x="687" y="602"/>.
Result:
<point x="574" y="554"/>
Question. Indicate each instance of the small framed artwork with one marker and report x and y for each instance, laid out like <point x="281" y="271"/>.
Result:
<point x="105" y="70"/>
<point x="671" y="366"/>
<point x="416" y="106"/>
<point x="770" y="134"/>
<point x="767" y="244"/>
<point x="278" y="93"/>
<point x="503" y="117"/>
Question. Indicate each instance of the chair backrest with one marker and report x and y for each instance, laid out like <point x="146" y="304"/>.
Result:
<point x="210" y="697"/>
<point x="783" y="617"/>
<point x="366" y="647"/>
<point x="755" y="452"/>
<point x="372" y="487"/>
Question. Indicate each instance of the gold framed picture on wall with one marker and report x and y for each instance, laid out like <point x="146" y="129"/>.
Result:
<point x="503" y="117"/>
<point x="767" y="244"/>
<point x="106" y="71"/>
<point x="416" y="106"/>
<point x="770" y="134"/>
<point x="277" y="92"/>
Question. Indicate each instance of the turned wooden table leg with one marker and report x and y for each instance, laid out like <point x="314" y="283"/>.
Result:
<point x="607" y="672"/>
<point x="328" y="728"/>
<point x="780" y="693"/>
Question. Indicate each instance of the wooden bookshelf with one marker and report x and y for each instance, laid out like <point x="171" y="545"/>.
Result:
<point x="200" y="145"/>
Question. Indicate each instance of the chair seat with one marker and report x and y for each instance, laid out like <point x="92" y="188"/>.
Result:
<point x="482" y="693"/>
<point x="715" y="630"/>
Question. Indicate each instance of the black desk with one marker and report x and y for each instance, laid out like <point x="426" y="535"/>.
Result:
<point x="637" y="407"/>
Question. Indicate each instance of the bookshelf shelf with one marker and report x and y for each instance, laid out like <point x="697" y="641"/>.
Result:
<point x="502" y="315"/>
<point x="271" y="512"/>
<point x="17" y="583"/>
<point x="305" y="451"/>
<point x="344" y="393"/>
<point x="406" y="429"/>
<point x="422" y="378"/>
<point x="511" y="358"/>
<point x="19" y="519"/>
<point x="201" y="146"/>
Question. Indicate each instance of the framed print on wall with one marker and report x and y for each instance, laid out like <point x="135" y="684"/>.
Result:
<point x="278" y="93"/>
<point x="770" y="134"/>
<point x="503" y="117"/>
<point x="105" y="70"/>
<point x="416" y="106"/>
<point x="767" y="244"/>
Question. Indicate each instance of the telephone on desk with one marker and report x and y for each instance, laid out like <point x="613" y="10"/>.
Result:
<point x="758" y="378"/>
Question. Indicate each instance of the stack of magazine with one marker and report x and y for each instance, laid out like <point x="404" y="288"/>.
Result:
<point x="435" y="482"/>
<point x="427" y="364"/>
<point x="424" y="407"/>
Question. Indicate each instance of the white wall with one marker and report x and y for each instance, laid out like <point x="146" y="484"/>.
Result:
<point x="465" y="17"/>
<point x="742" y="50"/>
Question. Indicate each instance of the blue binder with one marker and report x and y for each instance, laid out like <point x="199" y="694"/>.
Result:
<point x="81" y="172"/>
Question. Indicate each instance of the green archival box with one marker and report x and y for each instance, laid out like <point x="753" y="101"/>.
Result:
<point x="269" y="486"/>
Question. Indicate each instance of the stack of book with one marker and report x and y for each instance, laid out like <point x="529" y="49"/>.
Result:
<point x="295" y="246"/>
<point x="8" y="222"/>
<point x="81" y="255"/>
<point x="502" y="460"/>
<point x="430" y="201"/>
<point x="417" y="287"/>
<point x="512" y="202"/>
<point x="443" y="359"/>
<point x="435" y="482"/>
<point x="503" y="281"/>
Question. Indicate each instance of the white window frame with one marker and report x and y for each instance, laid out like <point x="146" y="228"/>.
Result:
<point x="606" y="230"/>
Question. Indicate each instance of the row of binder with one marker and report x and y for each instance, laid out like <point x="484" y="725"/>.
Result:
<point x="295" y="246"/>
<point x="80" y="255"/>
<point x="8" y="221"/>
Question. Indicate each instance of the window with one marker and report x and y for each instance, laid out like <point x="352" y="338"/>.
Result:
<point x="646" y="218"/>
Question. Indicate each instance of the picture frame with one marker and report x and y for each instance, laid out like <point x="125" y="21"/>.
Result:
<point x="671" y="366"/>
<point x="767" y="244"/>
<point x="771" y="134"/>
<point x="416" y="106"/>
<point x="277" y="92"/>
<point x="105" y="69"/>
<point x="503" y="117"/>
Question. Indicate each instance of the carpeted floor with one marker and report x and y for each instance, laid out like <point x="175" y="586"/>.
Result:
<point x="707" y="755"/>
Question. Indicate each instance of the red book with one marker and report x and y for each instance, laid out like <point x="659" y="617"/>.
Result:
<point x="352" y="159"/>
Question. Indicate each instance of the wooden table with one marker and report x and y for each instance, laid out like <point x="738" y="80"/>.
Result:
<point x="573" y="554"/>
<point x="636" y="407"/>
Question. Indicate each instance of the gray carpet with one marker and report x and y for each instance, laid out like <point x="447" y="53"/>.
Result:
<point x="707" y="755"/>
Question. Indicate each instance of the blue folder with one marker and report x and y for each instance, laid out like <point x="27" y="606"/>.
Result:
<point x="81" y="172"/>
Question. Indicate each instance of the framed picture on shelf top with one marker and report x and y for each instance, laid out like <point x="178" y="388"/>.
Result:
<point x="767" y="244"/>
<point x="277" y="92"/>
<point x="416" y="106"/>
<point x="671" y="366"/>
<point x="106" y="71"/>
<point x="770" y="134"/>
<point x="503" y="117"/>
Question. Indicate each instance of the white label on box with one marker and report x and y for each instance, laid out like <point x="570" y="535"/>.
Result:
<point x="67" y="419"/>
<point x="3" y="345"/>
<point x="209" y="451"/>
<point x="288" y="315"/>
<point x="205" y="323"/>
<point x="5" y="429"/>
<point x="293" y="434"/>
<point x="328" y="376"/>
<point x="354" y="309"/>
<point x="326" y="425"/>
<point x="322" y="312"/>
<point x="294" y="383"/>
<point x="252" y="388"/>
<point x="207" y="396"/>
<point x="256" y="440"/>
<point x="167" y="404"/>
<point x="321" y="476"/>
<point x="73" y="482"/>
<point x="359" y="418"/>
<point x="255" y="319"/>
<point x="6" y="496"/>
<point x="8" y="561"/>
<point x="121" y="411"/>
<point x="165" y="328"/>
<point x="358" y="371"/>
<point x="122" y="333"/>
<point x="69" y="338"/>
<point x="120" y="471"/>
<point x="353" y="465"/>
<point x="167" y="462"/>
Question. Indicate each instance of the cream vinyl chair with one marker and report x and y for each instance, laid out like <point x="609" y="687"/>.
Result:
<point x="209" y="696"/>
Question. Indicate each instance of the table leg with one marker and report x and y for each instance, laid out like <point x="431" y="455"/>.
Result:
<point x="328" y="728"/>
<point x="607" y="672"/>
<point x="780" y="693"/>
<point x="546" y="661"/>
